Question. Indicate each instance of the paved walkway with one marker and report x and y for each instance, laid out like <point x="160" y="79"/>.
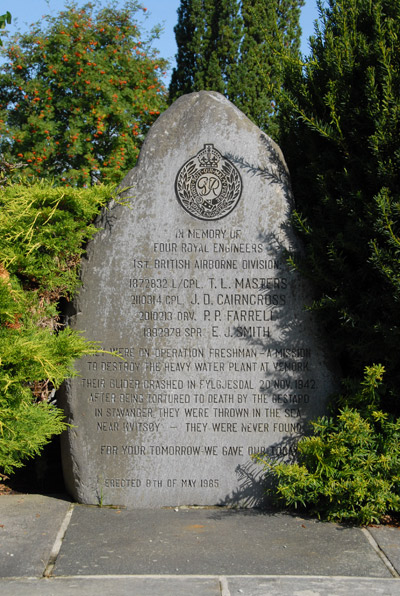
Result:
<point x="50" y="547"/>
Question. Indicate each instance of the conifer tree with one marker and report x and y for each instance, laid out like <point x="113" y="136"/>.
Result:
<point x="269" y="30"/>
<point x="340" y="135"/>
<point x="78" y="93"/>
<point x="235" y="47"/>
<point x="208" y="37"/>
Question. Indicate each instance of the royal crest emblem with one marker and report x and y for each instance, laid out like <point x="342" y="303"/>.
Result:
<point x="208" y="186"/>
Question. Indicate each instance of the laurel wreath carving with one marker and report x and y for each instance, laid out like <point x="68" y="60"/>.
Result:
<point x="183" y="181"/>
<point x="231" y="196"/>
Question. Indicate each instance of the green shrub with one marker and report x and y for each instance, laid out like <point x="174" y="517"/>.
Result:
<point x="349" y="470"/>
<point x="43" y="229"/>
<point x="42" y="234"/>
<point x="339" y="131"/>
<point x="340" y="135"/>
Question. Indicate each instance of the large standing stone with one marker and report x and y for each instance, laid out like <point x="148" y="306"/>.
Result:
<point x="213" y="355"/>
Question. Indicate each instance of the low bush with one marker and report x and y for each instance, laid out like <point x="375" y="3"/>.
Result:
<point x="349" y="469"/>
<point x="43" y="229"/>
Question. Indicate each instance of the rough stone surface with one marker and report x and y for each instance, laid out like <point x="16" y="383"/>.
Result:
<point x="211" y="541"/>
<point x="388" y="539"/>
<point x="200" y="586"/>
<point x="28" y="529"/>
<point x="117" y="586"/>
<point x="211" y="356"/>
<point x="179" y="551"/>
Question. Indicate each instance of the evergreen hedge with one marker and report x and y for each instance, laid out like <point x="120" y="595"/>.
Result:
<point x="340" y="131"/>
<point x="43" y="229"/>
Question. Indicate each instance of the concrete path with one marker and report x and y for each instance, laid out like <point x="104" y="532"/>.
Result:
<point x="49" y="546"/>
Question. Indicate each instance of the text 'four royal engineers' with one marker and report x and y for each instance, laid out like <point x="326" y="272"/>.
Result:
<point x="209" y="356"/>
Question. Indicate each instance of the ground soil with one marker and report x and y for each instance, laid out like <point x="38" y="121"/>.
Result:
<point x="41" y="475"/>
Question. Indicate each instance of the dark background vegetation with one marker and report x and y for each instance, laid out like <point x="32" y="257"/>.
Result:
<point x="76" y="100"/>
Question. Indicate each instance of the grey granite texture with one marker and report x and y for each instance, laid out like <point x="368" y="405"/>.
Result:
<point x="210" y="355"/>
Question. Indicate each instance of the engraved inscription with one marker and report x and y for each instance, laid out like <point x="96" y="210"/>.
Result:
<point x="185" y="379"/>
<point x="208" y="354"/>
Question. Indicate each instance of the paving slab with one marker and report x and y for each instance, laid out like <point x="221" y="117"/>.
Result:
<point x="312" y="586"/>
<point x="388" y="539"/>
<point x="200" y="586"/>
<point x="116" y="586"/>
<point x="102" y="541"/>
<point x="28" y="528"/>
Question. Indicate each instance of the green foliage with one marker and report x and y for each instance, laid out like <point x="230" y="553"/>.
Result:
<point x="5" y="19"/>
<point x="8" y="171"/>
<point x="78" y="93"/>
<point x="235" y="47"/>
<point x="349" y="470"/>
<point x="208" y="38"/>
<point x="270" y="31"/>
<point x="340" y="128"/>
<point x="42" y="230"/>
<point x="33" y="360"/>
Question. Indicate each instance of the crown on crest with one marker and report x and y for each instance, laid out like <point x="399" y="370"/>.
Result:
<point x="209" y="157"/>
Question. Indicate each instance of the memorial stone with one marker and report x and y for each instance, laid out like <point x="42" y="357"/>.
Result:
<point x="209" y="356"/>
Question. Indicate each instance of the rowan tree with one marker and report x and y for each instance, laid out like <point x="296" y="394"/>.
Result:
<point x="78" y="93"/>
<point x="236" y="47"/>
